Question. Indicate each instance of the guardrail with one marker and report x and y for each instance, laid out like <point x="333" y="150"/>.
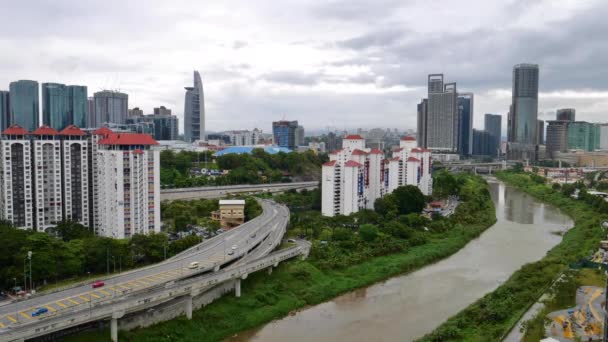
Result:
<point x="152" y="297"/>
<point x="234" y="187"/>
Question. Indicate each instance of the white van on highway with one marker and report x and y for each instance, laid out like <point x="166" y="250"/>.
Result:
<point x="193" y="265"/>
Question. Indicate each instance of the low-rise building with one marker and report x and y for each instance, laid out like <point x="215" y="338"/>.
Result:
<point x="231" y="213"/>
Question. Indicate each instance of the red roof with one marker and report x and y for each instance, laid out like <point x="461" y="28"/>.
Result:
<point x="72" y="130"/>
<point x="103" y="131"/>
<point x="408" y="139"/>
<point x="128" y="139"/>
<point x="394" y="159"/>
<point x="354" y="137"/>
<point x="15" y="130"/>
<point x="398" y="149"/>
<point x="45" y="130"/>
<point x="358" y="152"/>
<point x="352" y="163"/>
<point x="337" y="151"/>
<point x="412" y="159"/>
<point x="416" y="150"/>
<point x="330" y="163"/>
<point x="375" y="151"/>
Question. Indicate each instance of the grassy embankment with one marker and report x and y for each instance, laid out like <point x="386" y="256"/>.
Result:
<point x="492" y="316"/>
<point x="297" y="284"/>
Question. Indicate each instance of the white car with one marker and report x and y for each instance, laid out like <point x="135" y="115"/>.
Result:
<point x="193" y="265"/>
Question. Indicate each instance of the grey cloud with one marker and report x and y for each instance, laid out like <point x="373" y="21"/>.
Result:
<point x="293" y="77"/>
<point x="356" y="10"/>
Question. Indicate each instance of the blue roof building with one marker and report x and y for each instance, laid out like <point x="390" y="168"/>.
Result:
<point x="248" y="149"/>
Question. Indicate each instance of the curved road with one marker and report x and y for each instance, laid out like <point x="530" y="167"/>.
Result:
<point x="210" y="254"/>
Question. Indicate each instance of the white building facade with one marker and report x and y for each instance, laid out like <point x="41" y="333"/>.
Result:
<point x="356" y="176"/>
<point x="107" y="181"/>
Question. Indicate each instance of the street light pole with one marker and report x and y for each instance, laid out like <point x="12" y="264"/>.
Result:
<point x="24" y="276"/>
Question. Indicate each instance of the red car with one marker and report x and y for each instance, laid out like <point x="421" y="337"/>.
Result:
<point x="98" y="283"/>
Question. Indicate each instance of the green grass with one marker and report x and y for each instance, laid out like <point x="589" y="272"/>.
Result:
<point x="294" y="285"/>
<point x="491" y="317"/>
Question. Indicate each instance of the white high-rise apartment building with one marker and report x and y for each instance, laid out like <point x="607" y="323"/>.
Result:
<point x="356" y="176"/>
<point x="16" y="201"/>
<point x="128" y="200"/>
<point x="47" y="167"/>
<point x="107" y="181"/>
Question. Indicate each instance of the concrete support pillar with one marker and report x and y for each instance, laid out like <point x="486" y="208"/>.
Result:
<point x="114" y="329"/>
<point x="237" y="287"/>
<point x="189" y="307"/>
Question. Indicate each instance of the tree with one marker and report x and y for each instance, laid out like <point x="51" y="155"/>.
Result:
<point x="386" y="206"/>
<point x="71" y="230"/>
<point x="368" y="232"/>
<point x="445" y="184"/>
<point x="409" y="199"/>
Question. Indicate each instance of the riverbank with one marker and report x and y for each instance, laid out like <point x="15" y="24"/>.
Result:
<point x="295" y="285"/>
<point x="492" y="317"/>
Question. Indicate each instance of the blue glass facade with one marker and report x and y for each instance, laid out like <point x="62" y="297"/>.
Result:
<point x="77" y="105"/>
<point x="284" y="133"/>
<point x="465" y="124"/>
<point x="5" y="116"/>
<point x="24" y="104"/>
<point x="55" y="105"/>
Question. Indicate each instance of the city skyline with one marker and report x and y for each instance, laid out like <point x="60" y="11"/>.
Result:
<point x="316" y="61"/>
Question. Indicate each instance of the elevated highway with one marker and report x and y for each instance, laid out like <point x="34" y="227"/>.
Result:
<point x="156" y="284"/>
<point x="221" y="191"/>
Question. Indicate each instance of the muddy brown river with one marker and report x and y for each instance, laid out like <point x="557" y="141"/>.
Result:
<point x="406" y="307"/>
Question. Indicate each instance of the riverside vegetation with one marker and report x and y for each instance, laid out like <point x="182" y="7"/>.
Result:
<point x="349" y="252"/>
<point x="491" y="317"/>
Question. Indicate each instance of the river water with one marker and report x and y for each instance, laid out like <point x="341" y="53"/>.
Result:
<point x="406" y="307"/>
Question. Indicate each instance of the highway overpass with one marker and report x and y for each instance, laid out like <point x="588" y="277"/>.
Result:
<point x="221" y="191"/>
<point x="145" y="288"/>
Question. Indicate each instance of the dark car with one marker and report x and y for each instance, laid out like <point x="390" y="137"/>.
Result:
<point x="39" y="312"/>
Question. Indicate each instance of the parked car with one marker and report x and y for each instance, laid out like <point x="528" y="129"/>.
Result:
<point x="97" y="284"/>
<point x="253" y="235"/>
<point x="291" y="240"/>
<point x="39" y="312"/>
<point x="193" y="265"/>
<point x="231" y="252"/>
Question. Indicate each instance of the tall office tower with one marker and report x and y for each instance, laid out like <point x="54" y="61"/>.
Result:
<point x="5" y="110"/>
<point x="493" y="124"/>
<point x="422" y="110"/>
<point x="129" y="185"/>
<point x="566" y="114"/>
<point x="91" y="117"/>
<point x="16" y="203"/>
<point x="332" y="141"/>
<point x="55" y="105"/>
<point x="47" y="166"/>
<point x="162" y="126"/>
<point x="523" y="114"/>
<point x="540" y="134"/>
<point x="75" y="159"/>
<point x="77" y="105"/>
<point x="284" y="133"/>
<point x="465" y="124"/>
<point x="162" y="110"/>
<point x="24" y="104"/>
<point x="603" y="128"/>
<point x="194" y="111"/>
<point x="442" y="133"/>
<point x="557" y="137"/>
<point x="300" y="135"/>
<point x="110" y="107"/>
<point x="483" y="142"/>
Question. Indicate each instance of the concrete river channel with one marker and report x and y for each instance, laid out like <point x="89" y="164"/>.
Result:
<point x="407" y="307"/>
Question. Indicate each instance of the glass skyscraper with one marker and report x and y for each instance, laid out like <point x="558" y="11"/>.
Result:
<point x="465" y="124"/>
<point x="24" y="104"/>
<point x="493" y="124"/>
<point x="284" y="133"/>
<point x="55" y="105"/>
<point x="77" y="105"/>
<point x="194" y="110"/>
<point x="522" y="130"/>
<point x="5" y="109"/>
<point x="566" y="114"/>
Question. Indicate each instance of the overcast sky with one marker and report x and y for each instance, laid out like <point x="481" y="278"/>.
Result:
<point x="327" y="64"/>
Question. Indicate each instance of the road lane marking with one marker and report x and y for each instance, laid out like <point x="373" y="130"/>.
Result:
<point x="124" y="287"/>
<point x="94" y="295"/>
<point x="51" y="309"/>
<point x="61" y="304"/>
<point x="104" y="292"/>
<point x="84" y="298"/>
<point x="22" y="313"/>
<point x="73" y="301"/>
<point x="133" y="284"/>
<point x="11" y="318"/>
<point x="142" y="281"/>
<point x="1" y="325"/>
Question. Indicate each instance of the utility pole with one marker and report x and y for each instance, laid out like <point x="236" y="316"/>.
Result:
<point x="29" y="256"/>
